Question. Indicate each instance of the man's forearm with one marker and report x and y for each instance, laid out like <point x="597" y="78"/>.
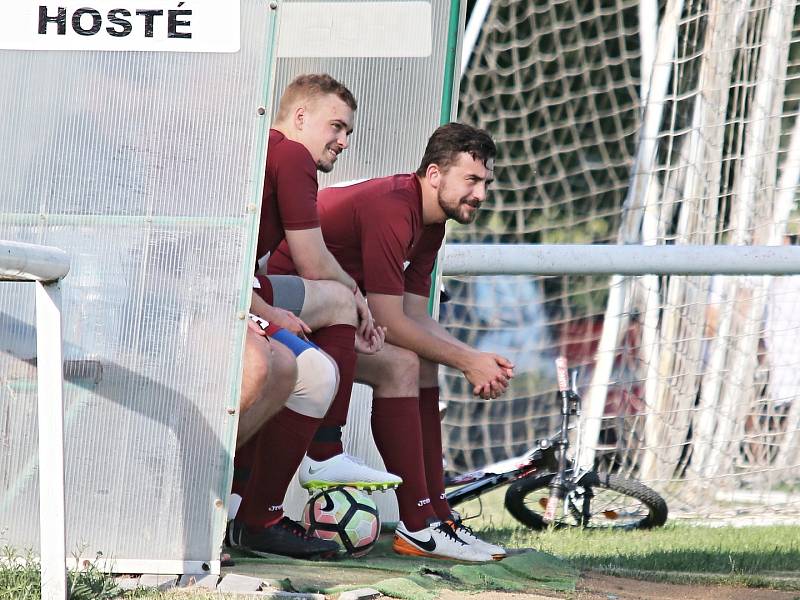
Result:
<point x="259" y="307"/>
<point x="416" y="308"/>
<point x="429" y="340"/>
<point x="436" y="328"/>
<point x="409" y="326"/>
<point x="326" y="267"/>
<point x="313" y="260"/>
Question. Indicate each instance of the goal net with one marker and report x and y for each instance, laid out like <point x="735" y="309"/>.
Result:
<point x="643" y="123"/>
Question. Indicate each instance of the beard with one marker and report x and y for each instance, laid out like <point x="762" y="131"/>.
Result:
<point x="324" y="167"/>
<point x="325" y="164"/>
<point x="455" y="211"/>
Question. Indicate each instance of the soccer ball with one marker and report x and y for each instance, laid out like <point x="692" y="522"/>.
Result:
<point x="346" y="515"/>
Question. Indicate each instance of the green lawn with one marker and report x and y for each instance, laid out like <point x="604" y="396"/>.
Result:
<point x="753" y="556"/>
<point x="750" y="550"/>
<point x="759" y="556"/>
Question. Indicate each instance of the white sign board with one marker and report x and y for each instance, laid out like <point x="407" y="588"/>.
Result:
<point x="120" y="25"/>
<point x="355" y="29"/>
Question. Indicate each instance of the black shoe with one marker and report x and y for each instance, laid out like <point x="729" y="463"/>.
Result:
<point x="285" y="537"/>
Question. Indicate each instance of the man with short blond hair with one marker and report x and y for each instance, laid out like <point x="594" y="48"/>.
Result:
<point x="315" y="118"/>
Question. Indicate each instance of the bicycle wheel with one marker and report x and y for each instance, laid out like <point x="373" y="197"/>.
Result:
<point x="615" y="503"/>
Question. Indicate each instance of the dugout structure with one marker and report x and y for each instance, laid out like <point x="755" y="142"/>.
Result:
<point x="147" y="166"/>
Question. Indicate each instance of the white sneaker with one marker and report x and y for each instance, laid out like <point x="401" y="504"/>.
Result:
<point x="466" y="534"/>
<point x="344" y="469"/>
<point x="436" y="541"/>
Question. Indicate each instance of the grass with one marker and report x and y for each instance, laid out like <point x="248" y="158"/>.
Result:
<point x="767" y="556"/>
<point x="750" y="551"/>
<point x="748" y="556"/>
<point x="20" y="579"/>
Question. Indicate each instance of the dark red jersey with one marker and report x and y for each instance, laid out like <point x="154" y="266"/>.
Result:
<point x="375" y="231"/>
<point x="290" y="192"/>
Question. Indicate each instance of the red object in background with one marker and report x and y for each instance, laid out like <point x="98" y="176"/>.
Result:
<point x="578" y="340"/>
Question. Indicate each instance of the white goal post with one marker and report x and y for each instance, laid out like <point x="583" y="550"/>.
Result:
<point x="46" y="267"/>
<point x="667" y="127"/>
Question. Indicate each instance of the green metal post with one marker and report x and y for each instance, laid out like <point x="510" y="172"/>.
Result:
<point x="449" y="92"/>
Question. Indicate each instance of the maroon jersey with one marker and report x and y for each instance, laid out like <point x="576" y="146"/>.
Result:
<point x="375" y="231"/>
<point x="290" y="192"/>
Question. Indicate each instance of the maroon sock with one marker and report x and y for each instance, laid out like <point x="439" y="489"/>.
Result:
<point x="327" y="442"/>
<point x="339" y="342"/>
<point x="280" y="446"/>
<point x="432" y="449"/>
<point x="242" y="465"/>
<point x="398" y="436"/>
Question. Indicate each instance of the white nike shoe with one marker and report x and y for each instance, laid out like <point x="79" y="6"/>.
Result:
<point x="466" y="534"/>
<point x="344" y="469"/>
<point x="436" y="541"/>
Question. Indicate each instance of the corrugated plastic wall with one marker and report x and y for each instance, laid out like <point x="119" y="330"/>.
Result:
<point x="146" y="168"/>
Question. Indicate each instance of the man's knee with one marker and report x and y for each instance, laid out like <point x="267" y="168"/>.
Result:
<point x="269" y="375"/>
<point x="268" y="379"/>
<point x="396" y="372"/>
<point x="406" y="361"/>
<point x="317" y="381"/>
<point x="342" y="303"/>
<point x="335" y="303"/>
<point x="284" y="368"/>
<point x="428" y="373"/>
<point x="256" y="370"/>
<point x="257" y="358"/>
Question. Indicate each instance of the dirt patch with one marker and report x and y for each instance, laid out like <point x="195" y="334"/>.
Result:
<point x="451" y="595"/>
<point x="594" y="586"/>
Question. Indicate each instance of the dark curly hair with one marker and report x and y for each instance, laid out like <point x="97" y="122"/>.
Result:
<point x="450" y="140"/>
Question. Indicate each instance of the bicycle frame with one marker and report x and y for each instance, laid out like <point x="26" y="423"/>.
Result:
<point x="570" y="492"/>
<point x="550" y="456"/>
<point x="471" y="485"/>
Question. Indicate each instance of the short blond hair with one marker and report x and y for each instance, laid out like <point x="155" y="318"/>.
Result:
<point x="309" y="87"/>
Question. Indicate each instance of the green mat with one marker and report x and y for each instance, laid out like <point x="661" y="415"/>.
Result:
<point x="411" y="578"/>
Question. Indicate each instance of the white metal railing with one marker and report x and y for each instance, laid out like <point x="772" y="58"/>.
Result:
<point x="46" y="267"/>
<point x="614" y="259"/>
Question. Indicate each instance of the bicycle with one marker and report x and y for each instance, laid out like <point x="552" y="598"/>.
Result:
<point x="549" y="489"/>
